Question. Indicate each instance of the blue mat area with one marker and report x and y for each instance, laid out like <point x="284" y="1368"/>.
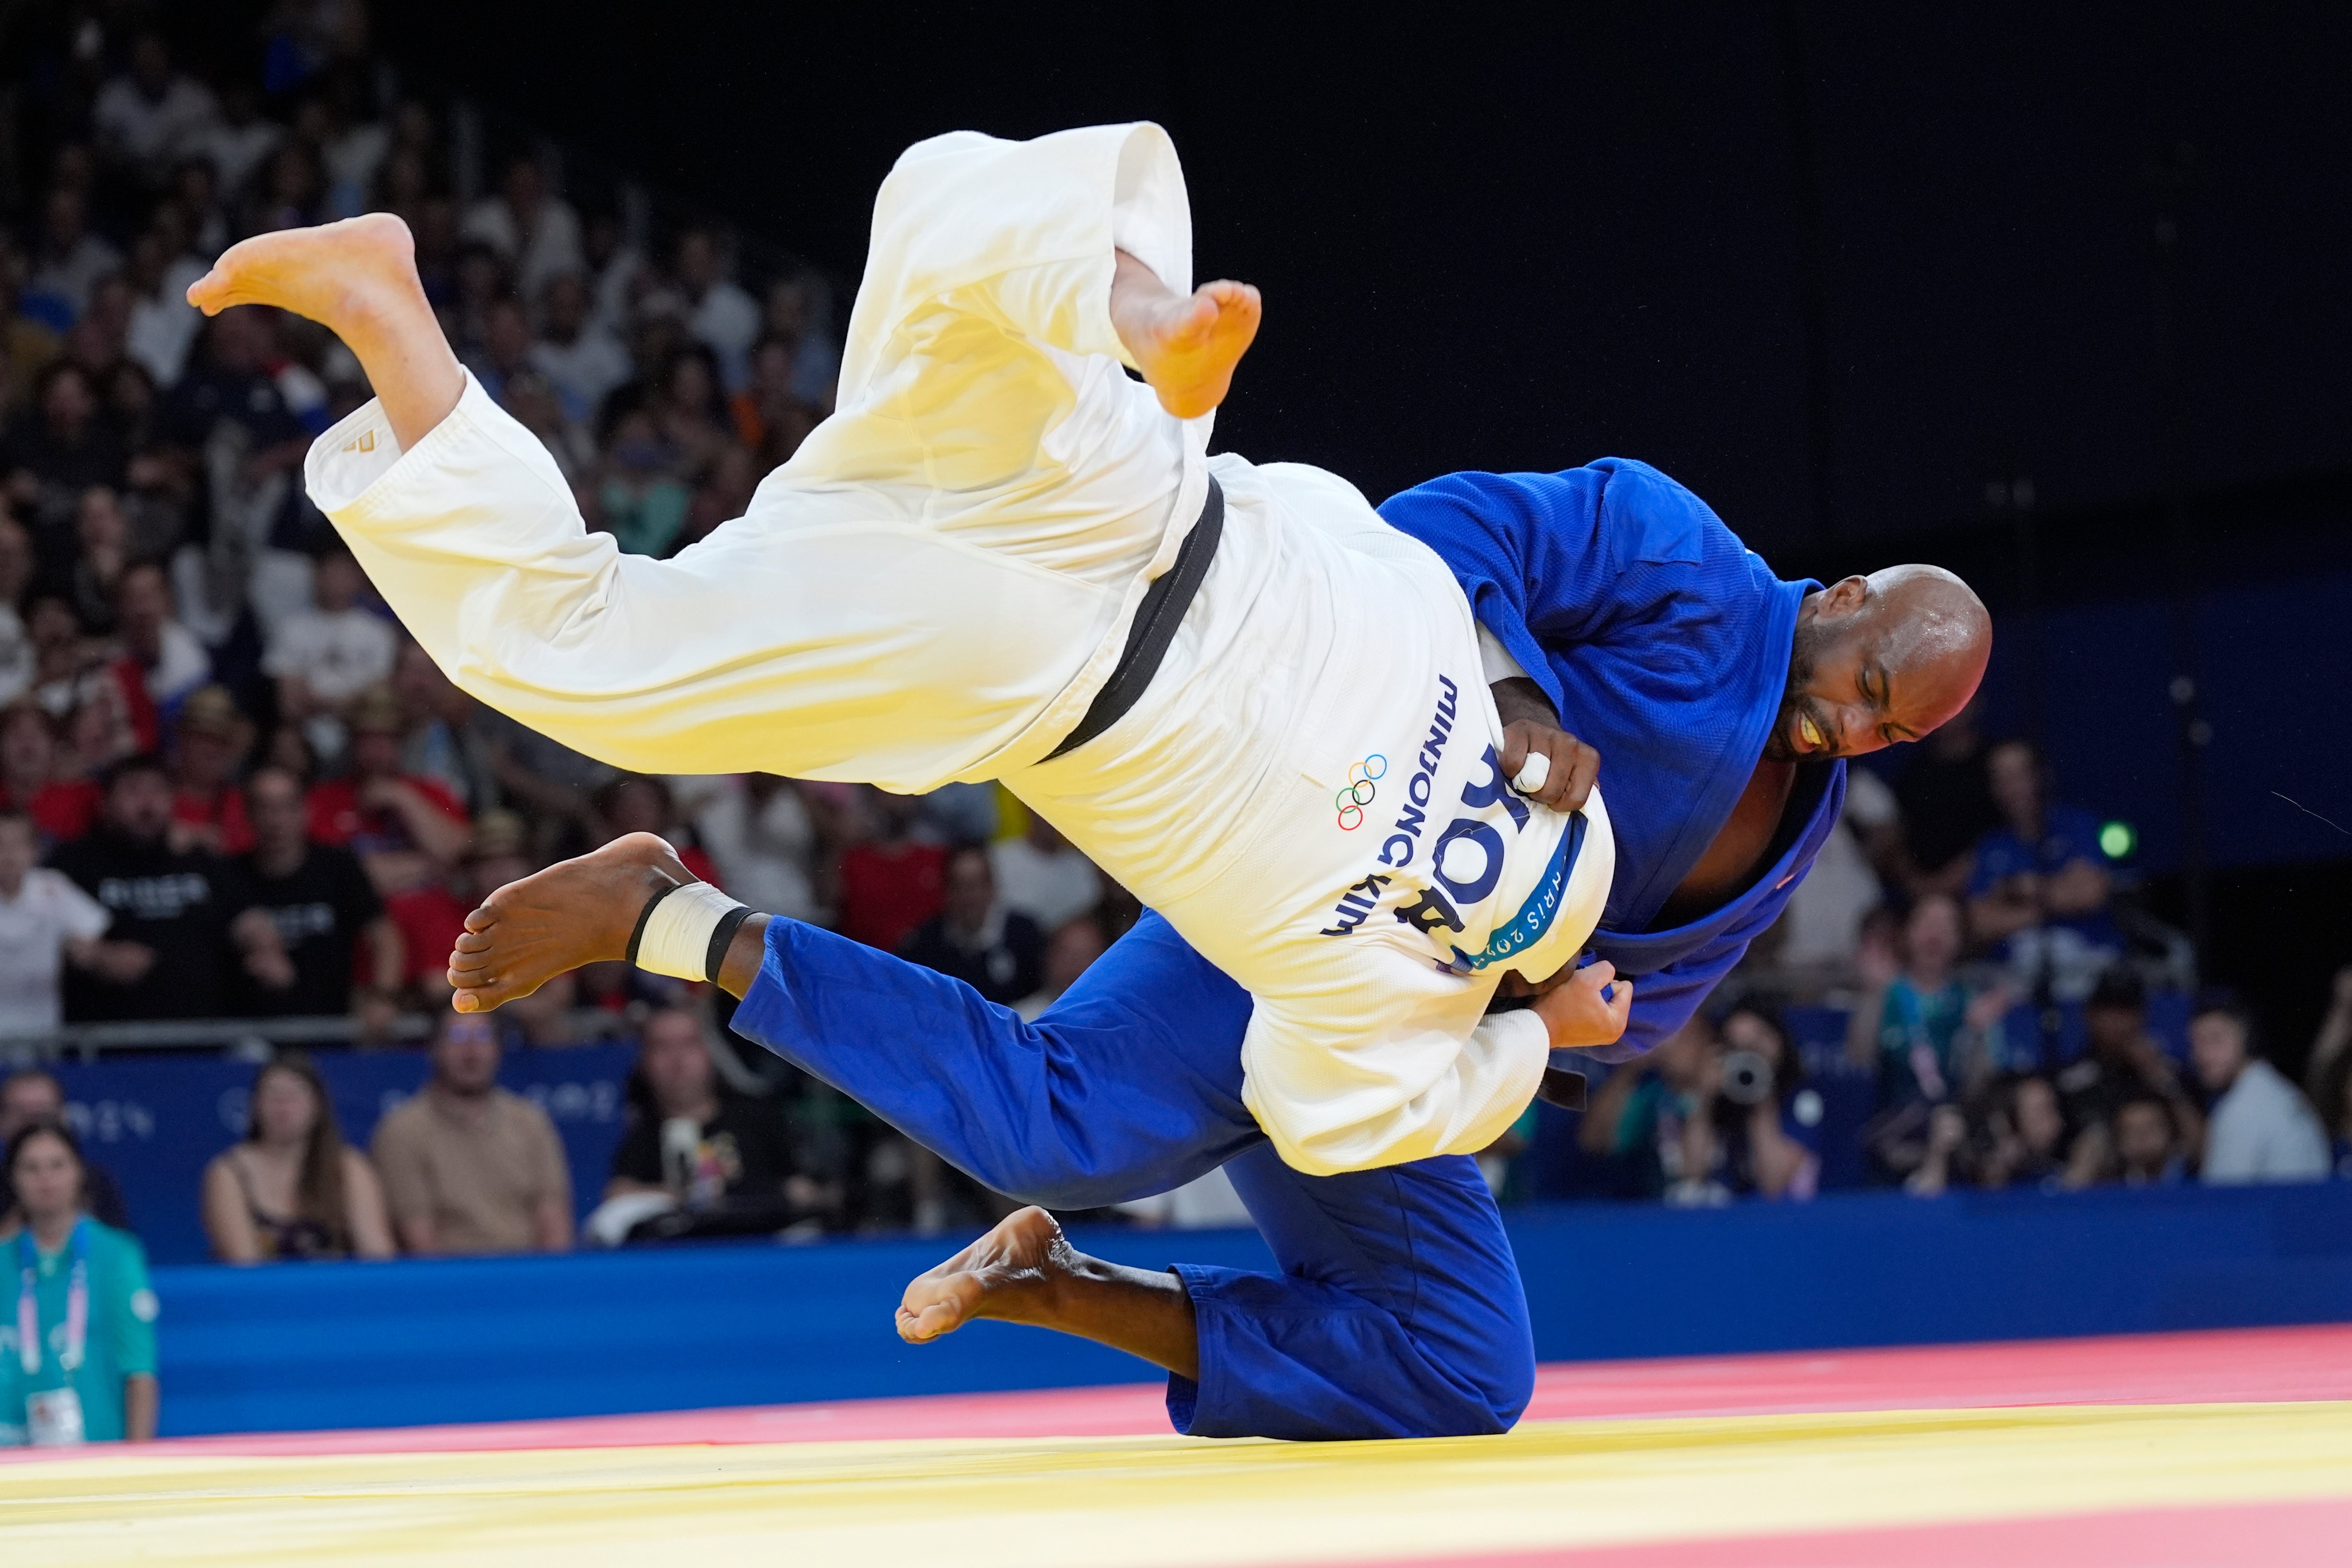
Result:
<point x="410" y="1342"/>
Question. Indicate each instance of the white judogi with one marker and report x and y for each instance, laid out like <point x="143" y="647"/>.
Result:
<point x="938" y="583"/>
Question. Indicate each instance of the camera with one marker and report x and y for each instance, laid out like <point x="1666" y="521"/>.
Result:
<point x="1747" y="1078"/>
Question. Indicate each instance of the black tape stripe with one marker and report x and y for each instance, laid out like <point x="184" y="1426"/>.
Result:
<point x="722" y="937"/>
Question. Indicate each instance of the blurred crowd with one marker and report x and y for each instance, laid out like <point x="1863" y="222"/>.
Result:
<point x="230" y="785"/>
<point x="1982" y="949"/>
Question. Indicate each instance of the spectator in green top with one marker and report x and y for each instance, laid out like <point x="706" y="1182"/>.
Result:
<point x="98" y="1385"/>
<point x="1927" y="1035"/>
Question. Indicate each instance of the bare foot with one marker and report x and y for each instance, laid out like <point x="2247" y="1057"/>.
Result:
<point x="1186" y="344"/>
<point x="332" y="274"/>
<point x="358" y="279"/>
<point x="1011" y="1273"/>
<point x="551" y="923"/>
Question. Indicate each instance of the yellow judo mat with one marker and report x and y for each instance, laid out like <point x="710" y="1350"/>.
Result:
<point x="1549" y="1491"/>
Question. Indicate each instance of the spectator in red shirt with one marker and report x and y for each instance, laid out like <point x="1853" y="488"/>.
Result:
<point x="891" y="882"/>
<point x="207" y="806"/>
<point x="62" y="809"/>
<point x="162" y="663"/>
<point x="407" y="831"/>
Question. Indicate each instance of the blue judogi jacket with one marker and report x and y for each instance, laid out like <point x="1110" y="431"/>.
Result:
<point x="1663" y="642"/>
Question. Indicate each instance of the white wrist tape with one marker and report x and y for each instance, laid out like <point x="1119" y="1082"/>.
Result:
<point x="1533" y="773"/>
<point x="677" y="934"/>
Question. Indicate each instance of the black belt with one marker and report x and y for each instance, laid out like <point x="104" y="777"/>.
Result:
<point x="1563" y="1089"/>
<point x="1156" y="620"/>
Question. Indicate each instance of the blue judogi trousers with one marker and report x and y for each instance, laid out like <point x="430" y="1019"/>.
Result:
<point x="1398" y="1310"/>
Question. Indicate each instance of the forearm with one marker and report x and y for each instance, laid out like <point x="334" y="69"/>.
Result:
<point x="552" y="1223"/>
<point x="2080" y="889"/>
<point x="2335" y="1035"/>
<point x="387" y="955"/>
<point x="143" y="1401"/>
<point x="1862" y="1028"/>
<point x="1777" y="1156"/>
<point x="436" y="833"/>
<point x="1995" y="917"/>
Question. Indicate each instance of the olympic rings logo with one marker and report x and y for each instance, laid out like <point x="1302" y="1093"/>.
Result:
<point x="1359" y="791"/>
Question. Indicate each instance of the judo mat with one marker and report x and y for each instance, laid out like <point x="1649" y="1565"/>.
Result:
<point x="2157" y="1451"/>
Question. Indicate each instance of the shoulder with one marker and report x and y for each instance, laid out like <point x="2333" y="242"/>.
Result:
<point x="52" y="886"/>
<point x="116" y="1248"/>
<point x="519" y="1110"/>
<point x="404" y="1123"/>
<point x="2265" y="1083"/>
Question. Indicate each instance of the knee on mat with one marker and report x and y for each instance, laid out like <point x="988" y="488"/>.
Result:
<point x="1494" y="1376"/>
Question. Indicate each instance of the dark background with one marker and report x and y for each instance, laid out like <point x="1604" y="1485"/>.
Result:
<point x="1906" y="247"/>
<point x="1851" y="271"/>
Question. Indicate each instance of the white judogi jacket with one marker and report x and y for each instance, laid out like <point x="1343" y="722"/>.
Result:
<point x="937" y="584"/>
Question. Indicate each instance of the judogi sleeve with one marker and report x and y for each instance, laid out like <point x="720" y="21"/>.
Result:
<point x="1548" y="558"/>
<point x="1333" y="1099"/>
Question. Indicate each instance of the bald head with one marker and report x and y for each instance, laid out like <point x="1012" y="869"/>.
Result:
<point x="1879" y="659"/>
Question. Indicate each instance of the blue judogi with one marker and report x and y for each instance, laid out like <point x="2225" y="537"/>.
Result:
<point x="1399" y="1311"/>
<point x="1664" y="643"/>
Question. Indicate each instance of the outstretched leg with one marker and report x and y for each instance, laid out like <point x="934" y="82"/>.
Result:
<point x="358" y="279"/>
<point x="1026" y="1271"/>
<point x="1130" y="1085"/>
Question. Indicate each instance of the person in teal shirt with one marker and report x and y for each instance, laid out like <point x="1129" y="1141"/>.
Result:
<point x="1931" y="1039"/>
<point x="78" y="1350"/>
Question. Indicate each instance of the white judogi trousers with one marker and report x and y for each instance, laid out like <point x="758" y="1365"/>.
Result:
<point x="938" y="583"/>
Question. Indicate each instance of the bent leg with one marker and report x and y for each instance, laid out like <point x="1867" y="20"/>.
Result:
<point x="1128" y="1086"/>
<point x="944" y="562"/>
<point x="1399" y="1312"/>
